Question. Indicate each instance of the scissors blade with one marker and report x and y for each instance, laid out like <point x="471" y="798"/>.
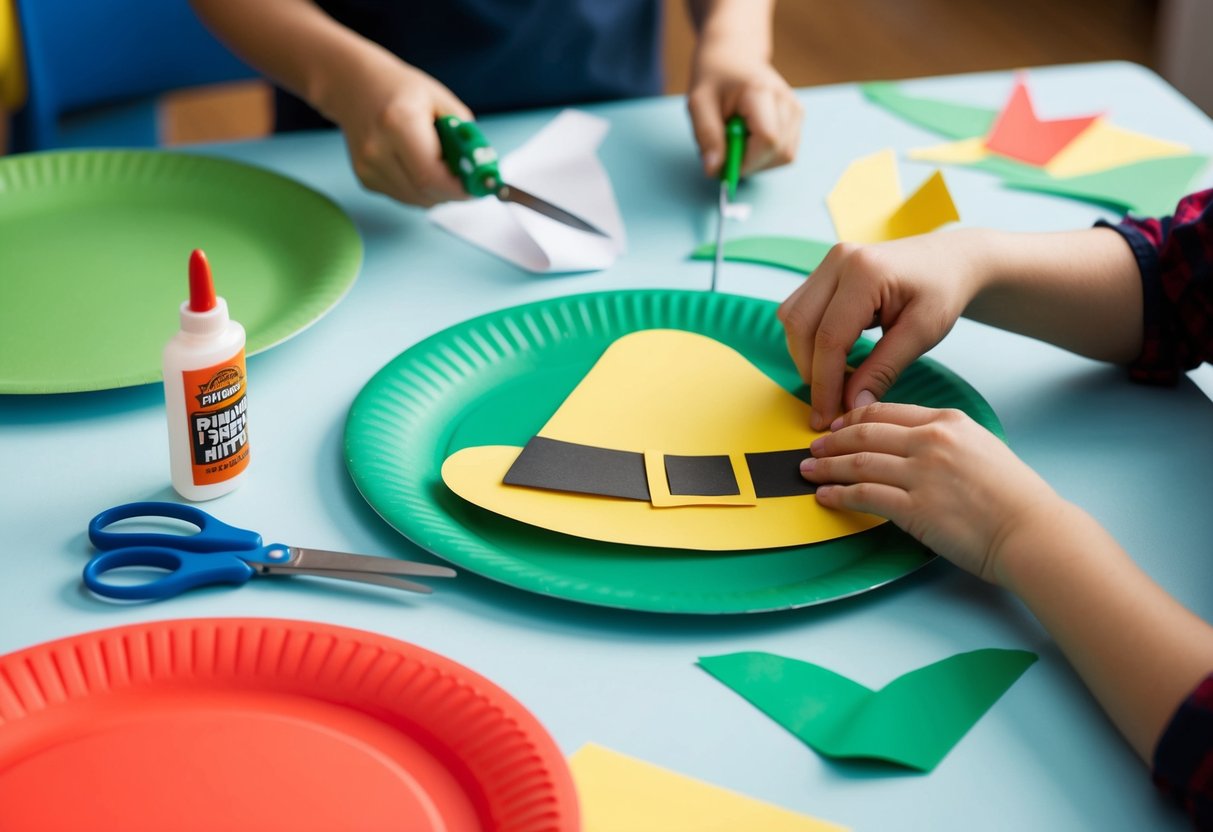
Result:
<point x="324" y="561"/>
<point x="509" y="193"/>
<point x="362" y="577"/>
<point x="349" y="567"/>
<point x="722" y="209"/>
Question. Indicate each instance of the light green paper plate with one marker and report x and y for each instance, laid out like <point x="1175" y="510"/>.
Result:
<point x="498" y="378"/>
<point x="94" y="249"/>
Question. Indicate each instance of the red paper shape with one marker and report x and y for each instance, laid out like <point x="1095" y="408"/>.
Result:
<point x="1019" y="134"/>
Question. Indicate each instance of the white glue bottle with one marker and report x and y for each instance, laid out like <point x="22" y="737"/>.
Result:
<point x="205" y="393"/>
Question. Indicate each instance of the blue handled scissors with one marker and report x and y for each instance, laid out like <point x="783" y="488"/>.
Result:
<point x="221" y="554"/>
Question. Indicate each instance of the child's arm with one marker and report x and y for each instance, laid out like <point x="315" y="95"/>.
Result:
<point x="954" y="486"/>
<point x="731" y="74"/>
<point x="1078" y="289"/>
<point x="1145" y="298"/>
<point x="385" y="107"/>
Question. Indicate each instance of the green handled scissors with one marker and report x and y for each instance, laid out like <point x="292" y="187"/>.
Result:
<point x="473" y="160"/>
<point x="735" y="135"/>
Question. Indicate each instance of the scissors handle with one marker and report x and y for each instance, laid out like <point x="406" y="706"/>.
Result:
<point x="469" y="155"/>
<point x="213" y="535"/>
<point x="735" y="134"/>
<point x="184" y="570"/>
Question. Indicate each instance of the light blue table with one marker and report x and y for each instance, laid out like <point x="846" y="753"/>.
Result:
<point x="1139" y="459"/>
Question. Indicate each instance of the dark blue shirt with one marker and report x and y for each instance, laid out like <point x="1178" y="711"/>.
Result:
<point x="500" y="55"/>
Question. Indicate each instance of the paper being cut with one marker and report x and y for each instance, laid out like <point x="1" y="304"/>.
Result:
<point x="558" y="164"/>
<point x="672" y="440"/>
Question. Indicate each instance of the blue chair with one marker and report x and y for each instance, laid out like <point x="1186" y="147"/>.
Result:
<point x="95" y="67"/>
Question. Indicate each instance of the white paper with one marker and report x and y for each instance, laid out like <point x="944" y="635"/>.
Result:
<point x="558" y="164"/>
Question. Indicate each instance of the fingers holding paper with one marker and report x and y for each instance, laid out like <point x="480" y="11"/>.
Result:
<point x="914" y="289"/>
<point x="937" y="474"/>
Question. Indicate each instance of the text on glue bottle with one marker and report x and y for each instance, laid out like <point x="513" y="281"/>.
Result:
<point x="206" y="393"/>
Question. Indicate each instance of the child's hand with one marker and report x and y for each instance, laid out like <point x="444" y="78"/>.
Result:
<point x="938" y="475"/>
<point x="723" y="85"/>
<point x="914" y="289"/>
<point x="389" y="132"/>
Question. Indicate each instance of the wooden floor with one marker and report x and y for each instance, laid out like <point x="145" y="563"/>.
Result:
<point x="822" y="42"/>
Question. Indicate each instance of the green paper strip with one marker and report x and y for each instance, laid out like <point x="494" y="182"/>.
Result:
<point x="913" y="721"/>
<point x="956" y="121"/>
<point x="1149" y="188"/>
<point x="795" y="253"/>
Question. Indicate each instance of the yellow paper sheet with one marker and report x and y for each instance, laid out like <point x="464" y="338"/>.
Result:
<point x="1101" y="146"/>
<point x="928" y="208"/>
<point x="1104" y="145"/>
<point x="963" y="152"/>
<point x="622" y="794"/>
<point x="865" y="196"/>
<point x="867" y="206"/>
<point x="678" y="393"/>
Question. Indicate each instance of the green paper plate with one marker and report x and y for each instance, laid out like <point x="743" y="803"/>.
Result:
<point x="498" y="378"/>
<point x="94" y="249"/>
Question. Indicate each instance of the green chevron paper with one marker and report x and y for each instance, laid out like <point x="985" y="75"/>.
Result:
<point x="913" y="721"/>
<point x="798" y="254"/>
<point x="956" y="121"/>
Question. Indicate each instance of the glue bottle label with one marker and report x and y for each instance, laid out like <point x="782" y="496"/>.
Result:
<point x="217" y="404"/>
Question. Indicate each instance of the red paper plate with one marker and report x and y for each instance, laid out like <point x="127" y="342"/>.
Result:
<point x="266" y="724"/>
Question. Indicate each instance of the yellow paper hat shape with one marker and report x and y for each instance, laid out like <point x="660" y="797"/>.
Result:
<point x="709" y="441"/>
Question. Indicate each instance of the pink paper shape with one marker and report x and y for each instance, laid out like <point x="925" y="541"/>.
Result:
<point x="1019" y="134"/>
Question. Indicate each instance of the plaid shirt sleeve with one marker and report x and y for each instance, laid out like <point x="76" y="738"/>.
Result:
<point x="1183" y="760"/>
<point x="1175" y="255"/>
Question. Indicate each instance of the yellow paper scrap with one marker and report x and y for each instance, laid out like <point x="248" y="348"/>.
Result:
<point x="678" y="393"/>
<point x="619" y="793"/>
<point x="865" y="196"/>
<point x="867" y="205"/>
<point x="1100" y="147"/>
<point x="1103" y="145"/>
<point x="928" y="208"/>
<point x="963" y="152"/>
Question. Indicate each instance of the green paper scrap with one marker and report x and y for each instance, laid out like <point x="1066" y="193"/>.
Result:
<point x="914" y="721"/>
<point x="798" y="254"/>
<point x="1151" y="187"/>
<point x="956" y="121"/>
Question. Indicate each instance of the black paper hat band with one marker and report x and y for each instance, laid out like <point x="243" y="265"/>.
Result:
<point x="585" y="469"/>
